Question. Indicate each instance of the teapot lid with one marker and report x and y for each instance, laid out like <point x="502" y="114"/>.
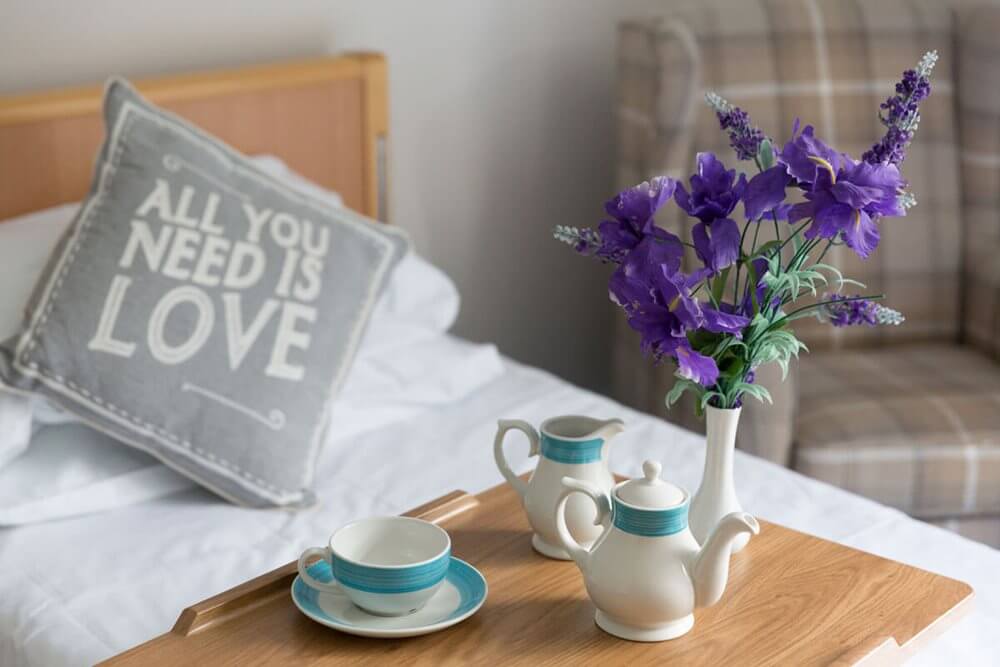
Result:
<point x="650" y="492"/>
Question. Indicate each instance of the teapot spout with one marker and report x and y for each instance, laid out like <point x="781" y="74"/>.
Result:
<point x="609" y="429"/>
<point x="710" y="571"/>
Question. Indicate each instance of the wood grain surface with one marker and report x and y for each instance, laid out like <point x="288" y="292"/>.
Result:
<point x="327" y="118"/>
<point x="793" y="599"/>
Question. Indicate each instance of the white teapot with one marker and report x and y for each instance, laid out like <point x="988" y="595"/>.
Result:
<point x="646" y="573"/>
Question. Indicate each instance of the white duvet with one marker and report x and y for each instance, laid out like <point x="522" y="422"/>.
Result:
<point x="79" y="590"/>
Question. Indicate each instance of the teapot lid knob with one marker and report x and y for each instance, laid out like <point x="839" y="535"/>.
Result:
<point x="649" y="491"/>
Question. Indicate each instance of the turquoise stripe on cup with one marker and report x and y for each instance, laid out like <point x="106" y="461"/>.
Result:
<point x="571" y="451"/>
<point x="649" y="523"/>
<point x="374" y="579"/>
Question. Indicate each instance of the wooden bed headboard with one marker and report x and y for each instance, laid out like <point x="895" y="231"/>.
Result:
<point x="326" y="118"/>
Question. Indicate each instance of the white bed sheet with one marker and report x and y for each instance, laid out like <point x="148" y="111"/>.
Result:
<point x="80" y="590"/>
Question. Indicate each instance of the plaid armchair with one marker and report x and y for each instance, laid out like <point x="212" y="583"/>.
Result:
<point x="909" y="415"/>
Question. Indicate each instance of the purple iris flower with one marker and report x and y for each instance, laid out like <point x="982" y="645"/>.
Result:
<point x="696" y="366"/>
<point x="632" y="212"/>
<point x="800" y="153"/>
<point x="662" y="314"/>
<point x="717" y="243"/>
<point x="843" y="197"/>
<point x="663" y="311"/>
<point x="714" y="194"/>
<point x="720" y="321"/>
<point x="659" y="251"/>
<point x="639" y="203"/>
<point x="714" y="190"/>
<point x="765" y="193"/>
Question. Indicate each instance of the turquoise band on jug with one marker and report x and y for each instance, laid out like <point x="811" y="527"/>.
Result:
<point x="571" y="451"/>
<point x="390" y="580"/>
<point x="650" y="523"/>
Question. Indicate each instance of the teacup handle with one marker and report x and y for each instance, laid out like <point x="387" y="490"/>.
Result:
<point x="504" y="425"/>
<point x="312" y="582"/>
<point x="603" y="502"/>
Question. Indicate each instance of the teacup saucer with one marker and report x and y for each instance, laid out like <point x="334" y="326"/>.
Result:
<point x="461" y="594"/>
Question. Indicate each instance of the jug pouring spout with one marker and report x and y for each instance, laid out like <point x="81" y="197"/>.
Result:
<point x="609" y="429"/>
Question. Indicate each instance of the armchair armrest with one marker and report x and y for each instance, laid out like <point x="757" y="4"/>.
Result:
<point x="768" y="431"/>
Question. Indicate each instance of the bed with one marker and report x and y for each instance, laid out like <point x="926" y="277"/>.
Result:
<point x="94" y="580"/>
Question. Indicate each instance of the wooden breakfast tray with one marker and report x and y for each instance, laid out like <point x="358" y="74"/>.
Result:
<point x="792" y="599"/>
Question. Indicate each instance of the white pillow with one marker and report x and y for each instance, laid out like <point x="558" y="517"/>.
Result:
<point x="15" y="426"/>
<point x="25" y="245"/>
<point x="71" y="469"/>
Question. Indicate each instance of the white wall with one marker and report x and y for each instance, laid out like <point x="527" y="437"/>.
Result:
<point x="501" y="126"/>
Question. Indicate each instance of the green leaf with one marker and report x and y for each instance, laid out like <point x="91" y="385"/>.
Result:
<point x="720" y="284"/>
<point x="765" y="154"/>
<point x="841" y="280"/>
<point x="757" y="325"/>
<point x="783" y="365"/>
<point x="765" y="251"/>
<point x="732" y="368"/>
<point x="755" y="390"/>
<point x="723" y="346"/>
<point x="702" y="339"/>
<point x="753" y="292"/>
<point x="774" y="265"/>
<point x="776" y="345"/>
<point x="680" y="386"/>
<point x="708" y="396"/>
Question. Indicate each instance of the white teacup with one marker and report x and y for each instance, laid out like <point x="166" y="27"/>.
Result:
<point x="388" y="566"/>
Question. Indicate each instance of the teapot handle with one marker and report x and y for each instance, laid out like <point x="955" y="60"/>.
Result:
<point x="603" y="502"/>
<point x="504" y="425"/>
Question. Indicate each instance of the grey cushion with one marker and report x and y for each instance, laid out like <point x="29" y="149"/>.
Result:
<point x="201" y="310"/>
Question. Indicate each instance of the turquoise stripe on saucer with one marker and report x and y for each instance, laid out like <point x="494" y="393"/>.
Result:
<point x="390" y="580"/>
<point x="469" y="583"/>
<point x="571" y="451"/>
<point x="650" y="523"/>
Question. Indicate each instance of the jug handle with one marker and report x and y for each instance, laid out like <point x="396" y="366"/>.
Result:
<point x="603" y="502"/>
<point x="504" y="425"/>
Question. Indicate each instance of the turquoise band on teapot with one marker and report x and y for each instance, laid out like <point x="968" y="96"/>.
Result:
<point x="571" y="451"/>
<point x="649" y="523"/>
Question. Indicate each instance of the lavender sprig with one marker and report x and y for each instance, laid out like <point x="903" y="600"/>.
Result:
<point x="845" y="311"/>
<point x="901" y="114"/>
<point x="585" y="241"/>
<point x="743" y="137"/>
<point x="907" y="200"/>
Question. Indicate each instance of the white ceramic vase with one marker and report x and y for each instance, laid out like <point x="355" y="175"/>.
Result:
<point x="716" y="497"/>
